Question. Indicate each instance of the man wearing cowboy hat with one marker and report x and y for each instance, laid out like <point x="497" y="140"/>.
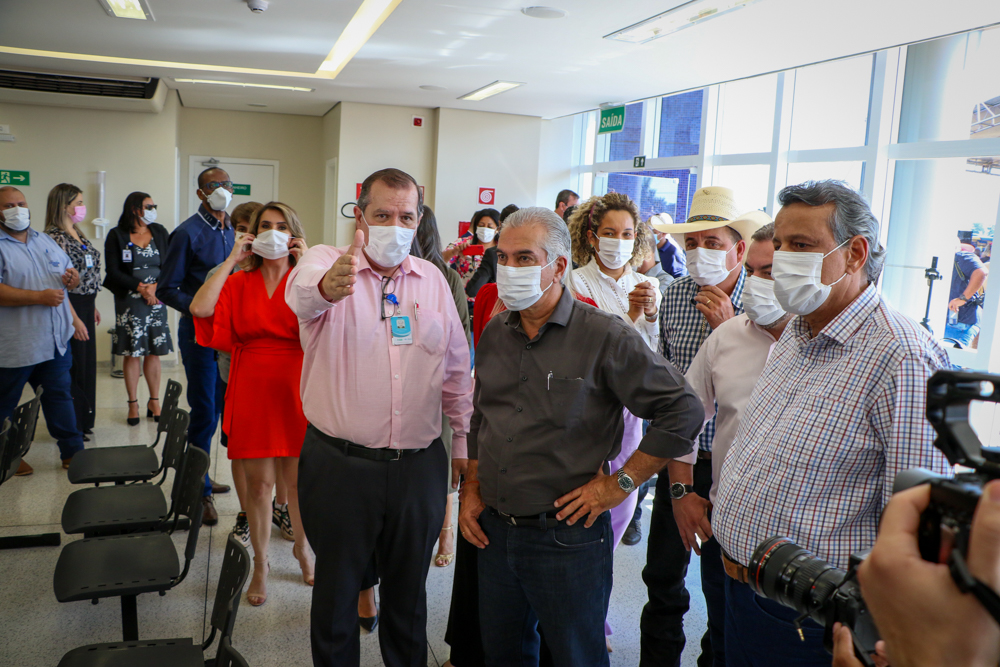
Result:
<point x="715" y="238"/>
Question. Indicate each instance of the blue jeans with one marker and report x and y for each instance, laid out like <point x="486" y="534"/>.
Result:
<point x="53" y="376"/>
<point x="760" y="633"/>
<point x="963" y="333"/>
<point x="559" y="579"/>
<point x="206" y="393"/>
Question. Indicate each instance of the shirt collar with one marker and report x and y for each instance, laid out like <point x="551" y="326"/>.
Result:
<point x="210" y="219"/>
<point x="842" y="327"/>
<point x="559" y="316"/>
<point x="4" y="236"/>
<point x="593" y="266"/>
<point x="409" y="264"/>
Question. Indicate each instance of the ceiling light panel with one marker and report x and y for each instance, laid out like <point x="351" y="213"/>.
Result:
<point x="494" y="88"/>
<point x="676" y="19"/>
<point x="544" y="12"/>
<point x="246" y="85"/>
<point x="128" y="9"/>
<point x="370" y="15"/>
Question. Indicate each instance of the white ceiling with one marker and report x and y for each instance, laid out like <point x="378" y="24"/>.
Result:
<point x="566" y="64"/>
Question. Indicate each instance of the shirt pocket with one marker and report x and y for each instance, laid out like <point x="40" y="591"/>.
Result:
<point x="822" y="433"/>
<point x="566" y="397"/>
<point x="429" y="332"/>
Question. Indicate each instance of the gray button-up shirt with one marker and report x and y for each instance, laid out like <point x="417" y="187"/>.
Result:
<point x="548" y="411"/>
<point x="30" y="335"/>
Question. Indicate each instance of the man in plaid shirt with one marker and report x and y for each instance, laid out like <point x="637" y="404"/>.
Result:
<point x="837" y="413"/>
<point x="715" y="237"/>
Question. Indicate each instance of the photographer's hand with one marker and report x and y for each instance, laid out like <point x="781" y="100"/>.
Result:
<point x="920" y="613"/>
<point x="843" y="649"/>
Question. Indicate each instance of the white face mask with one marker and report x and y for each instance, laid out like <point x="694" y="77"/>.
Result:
<point x="708" y="267"/>
<point x="615" y="253"/>
<point x="486" y="234"/>
<point x="520" y="287"/>
<point x="149" y="216"/>
<point x="388" y="246"/>
<point x="219" y="199"/>
<point x="272" y="244"/>
<point x="759" y="301"/>
<point x="798" y="283"/>
<point x="17" y="219"/>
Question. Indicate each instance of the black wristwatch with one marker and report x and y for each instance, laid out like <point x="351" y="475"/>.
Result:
<point x="678" y="490"/>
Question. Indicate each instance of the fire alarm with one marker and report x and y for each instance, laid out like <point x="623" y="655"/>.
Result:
<point x="418" y="121"/>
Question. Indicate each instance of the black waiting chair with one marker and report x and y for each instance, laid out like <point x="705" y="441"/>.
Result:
<point x="130" y="508"/>
<point x="126" y="566"/>
<point x="181" y="652"/>
<point x="133" y="463"/>
<point x="20" y="434"/>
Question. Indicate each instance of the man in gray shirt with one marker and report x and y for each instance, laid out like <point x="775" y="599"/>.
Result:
<point x="552" y="377"/>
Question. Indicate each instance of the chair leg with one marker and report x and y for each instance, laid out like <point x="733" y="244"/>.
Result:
<point x="29" y="541"/>
<point x="130" y="619"/>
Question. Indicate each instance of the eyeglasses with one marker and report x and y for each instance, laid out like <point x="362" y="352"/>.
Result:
<point x="211" y="186"/>
<point x="388" y="287"/>
<point x="150" y="207"/>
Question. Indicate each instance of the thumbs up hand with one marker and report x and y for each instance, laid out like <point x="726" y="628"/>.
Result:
<point x="338" y="283"/>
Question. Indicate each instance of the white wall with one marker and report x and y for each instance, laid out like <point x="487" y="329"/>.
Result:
<point x="70" y="145"/>
<point x="554" y="159"/>
<point x="477" y="149"/>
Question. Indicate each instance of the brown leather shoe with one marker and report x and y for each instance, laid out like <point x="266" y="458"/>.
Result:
<point x="23" y="470"/>
<point x="209" y="516"/>
<point x="66" y="463"/>
<point x="218" y="488"/>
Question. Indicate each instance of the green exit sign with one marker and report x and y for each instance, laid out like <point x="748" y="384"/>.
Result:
<point x="241" y="189"/>
<point x="639" y="162"/>
<point x="15" y="178"/>
<point x="612" y="120"/>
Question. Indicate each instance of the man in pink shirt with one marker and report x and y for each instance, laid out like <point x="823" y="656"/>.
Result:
<point x="384" y="353"/>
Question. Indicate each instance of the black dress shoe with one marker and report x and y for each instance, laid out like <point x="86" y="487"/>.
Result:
<point x="88" y="431"/>
<point x="368" y="622"/>
<point x="218" y="488"/>
<point x="633" y="534"/>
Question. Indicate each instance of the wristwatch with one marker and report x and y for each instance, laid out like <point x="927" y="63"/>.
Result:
<point x="678" y="490"/>
<point x="625" y="482"/>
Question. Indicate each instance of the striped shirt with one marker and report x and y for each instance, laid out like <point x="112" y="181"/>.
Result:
<point x="683" y="329"/>
<point x="830" y="423"/>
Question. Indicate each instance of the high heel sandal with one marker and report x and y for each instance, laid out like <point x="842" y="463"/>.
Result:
<point x="132" y="421"/>
<point x="149" y="413"/>
<point x="257" y="599"/>
<point x="444" y="560"/>
<point x="308" y="576"/>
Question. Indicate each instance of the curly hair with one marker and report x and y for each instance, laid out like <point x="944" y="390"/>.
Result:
<point x="588" y="216"/>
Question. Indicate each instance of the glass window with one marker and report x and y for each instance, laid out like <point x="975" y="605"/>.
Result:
<point x="849" y="172"/>
<point x="589" y="137"/>
<point x="748" y="182"/>
<point x="831" y="104"/>
<point x="746" y="115"/>
<point x="666" y="191"/>
<point x="626" y="144"/>
<point x="680" y="124"/>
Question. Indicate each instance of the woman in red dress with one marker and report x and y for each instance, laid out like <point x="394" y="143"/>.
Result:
<point x="245" y="314"/>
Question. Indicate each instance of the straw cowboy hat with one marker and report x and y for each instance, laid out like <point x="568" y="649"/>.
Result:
<point x="711" y="208"/>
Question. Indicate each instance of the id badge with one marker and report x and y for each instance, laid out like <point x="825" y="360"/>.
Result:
<point x="126" y="255"/>
<point x="402" y="334"/>
<point x="89" y="261"/>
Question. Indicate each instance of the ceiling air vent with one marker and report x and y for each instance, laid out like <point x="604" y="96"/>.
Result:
<point x="82" y="90"/>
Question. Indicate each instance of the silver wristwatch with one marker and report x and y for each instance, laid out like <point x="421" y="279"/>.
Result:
<point x="626" y="483"/>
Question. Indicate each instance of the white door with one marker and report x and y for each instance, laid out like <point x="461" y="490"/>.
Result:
<point x="258" y="177"/>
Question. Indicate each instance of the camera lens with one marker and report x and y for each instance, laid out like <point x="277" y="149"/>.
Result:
<point x="792" y="576"/>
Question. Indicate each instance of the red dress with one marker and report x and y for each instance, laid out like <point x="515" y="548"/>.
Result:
<point x="263" y="415"/>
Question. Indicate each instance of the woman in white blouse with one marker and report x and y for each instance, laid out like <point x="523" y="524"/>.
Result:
<point x="609" y="243"/>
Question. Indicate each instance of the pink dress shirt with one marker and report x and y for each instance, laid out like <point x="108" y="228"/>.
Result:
<point x="356" y="384"/>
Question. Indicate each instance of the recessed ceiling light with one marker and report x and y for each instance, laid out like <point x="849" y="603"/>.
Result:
<point x="128" y="9"/>
<point x="432" y="88"/>
<point x="246" y="85"/>
<point x="362" y="26"/>
<point x="678" y="18"/>
<point x="494" y="88"/>
<point x="544" y="12"/>
<point x="255" y="104"/>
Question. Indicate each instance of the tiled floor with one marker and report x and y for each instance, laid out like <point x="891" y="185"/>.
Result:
<point x="37" y="630"/>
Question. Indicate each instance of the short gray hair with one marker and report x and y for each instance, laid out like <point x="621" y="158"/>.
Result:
<point x="851" y="216"/>
<point x="556" y="241"/>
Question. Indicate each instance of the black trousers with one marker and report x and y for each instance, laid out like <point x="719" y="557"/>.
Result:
<point x="84" y="370"/>
<point x="353" y="508"/>
<point x="662" y="621"/>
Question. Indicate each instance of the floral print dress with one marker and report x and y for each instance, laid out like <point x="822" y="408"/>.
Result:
<point x="140" y="329"/>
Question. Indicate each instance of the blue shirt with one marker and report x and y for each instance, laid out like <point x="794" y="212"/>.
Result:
<point x="965" y="264"/>
<point x="672" y="260"/>
<point x="197" y="246"/>
<point x="30" y="335"/>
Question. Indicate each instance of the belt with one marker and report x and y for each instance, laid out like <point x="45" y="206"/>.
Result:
<point x="542" y="521"/>
<point x="704" y="455"/>
<point x="351" y="449"/>
<point x="734" y="570"/>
